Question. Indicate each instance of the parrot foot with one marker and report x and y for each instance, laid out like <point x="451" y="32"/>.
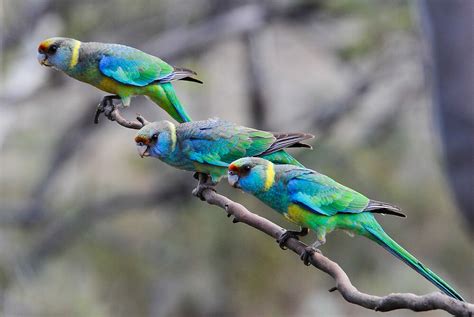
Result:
<point x="204" y="183"/>
<point x="106" y="106"/>
<point x="291" y="234"/>
<point x="307" y="254"/>
<point x="200" y="188"/>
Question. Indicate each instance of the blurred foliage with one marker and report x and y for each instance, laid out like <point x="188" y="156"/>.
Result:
<point x="185" y="258"/>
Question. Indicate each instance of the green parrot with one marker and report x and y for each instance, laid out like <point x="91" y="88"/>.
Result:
<point x="209" y="146"/>
<point x="317" y="202"/>
<point x="118" y="69"/>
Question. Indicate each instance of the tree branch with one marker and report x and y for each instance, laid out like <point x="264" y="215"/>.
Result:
<point x="350" y="293"/>
<point x="172" y="44"/>
<point x="115" y="115"/>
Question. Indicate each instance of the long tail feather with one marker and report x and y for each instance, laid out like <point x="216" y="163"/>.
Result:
<point x="166" y="98"/>
<point x="180" y="73"/>
<point x="378" y="235"/>
<point x="379" y="207"/>
<point x="192" y="79"/>
<point x="285" y="140"/>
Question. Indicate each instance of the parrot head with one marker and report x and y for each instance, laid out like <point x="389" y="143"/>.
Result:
<point x="58" y="52"/>
<point x="157" y="139"/>
<point x="251" y="174"/>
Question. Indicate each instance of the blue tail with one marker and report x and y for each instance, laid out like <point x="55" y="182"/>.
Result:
<point x="378" y="235"/>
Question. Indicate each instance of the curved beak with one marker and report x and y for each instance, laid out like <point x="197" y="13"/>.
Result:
<point x="143" y="150"/>
<point x="43" y="59"/>
<point x="233" y="179"/>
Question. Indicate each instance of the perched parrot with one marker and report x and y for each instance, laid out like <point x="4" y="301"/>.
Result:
<point x="317" y="202"/>
<point x="118" y="69"/>
<point x="209" y="146"/>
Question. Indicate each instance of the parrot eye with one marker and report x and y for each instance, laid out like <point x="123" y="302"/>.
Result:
<point x="140" y="144"/>
<point x="52" y="49"/>
<point x="154" y="136"/>
<point x="246" y="168"/>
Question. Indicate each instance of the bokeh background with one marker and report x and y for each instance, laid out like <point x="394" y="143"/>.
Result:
<point x="87" y="228"/>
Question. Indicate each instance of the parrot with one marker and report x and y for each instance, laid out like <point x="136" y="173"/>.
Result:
<point x="316" y="202"/>
<point x="117" y="69"/>
<point x="208" y="146"/>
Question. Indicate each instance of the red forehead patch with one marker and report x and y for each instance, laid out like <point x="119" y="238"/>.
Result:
<point x="139" y="138"/>
<point x="233" y="168"/>
<point x="42" y="47"/>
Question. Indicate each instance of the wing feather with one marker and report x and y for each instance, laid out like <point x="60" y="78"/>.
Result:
<point x="130" y="66"/>
<point x="218" y="142"/>
<point x="322" y="195"/>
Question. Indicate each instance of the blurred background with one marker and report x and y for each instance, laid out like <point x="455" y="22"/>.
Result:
<point x="87" y="228"/>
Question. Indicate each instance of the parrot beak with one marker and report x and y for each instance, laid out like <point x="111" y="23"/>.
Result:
<point x="233" y="179"/>
<point x="43" y="59"/>
<point x="143" y="150"/>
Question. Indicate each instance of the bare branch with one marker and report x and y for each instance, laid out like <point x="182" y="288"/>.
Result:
<point x="180" y="42"/>
<point x="350" y="293"/>
<point x="65" y="231"/>
<point x="115" y="115"/>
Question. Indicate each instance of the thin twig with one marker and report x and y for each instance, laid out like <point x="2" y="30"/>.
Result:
<point x="350" y="293"/>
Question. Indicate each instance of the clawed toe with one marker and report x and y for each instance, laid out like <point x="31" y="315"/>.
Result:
<point x="107" y="107"/>
<point x="108" y="112"/>
<point x="199" y="190"/>
<point x="98" y="112"/>
<point x="284" y="238"/>
<point x="204" y="183"/>
<point x="291" y="234"/>
<point x="307" y="254"/>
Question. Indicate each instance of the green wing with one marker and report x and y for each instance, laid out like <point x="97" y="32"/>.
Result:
<point x="281" y="157"/>
<point x="322" y="194"/>
<point x="219" y="142"/>
<point x="133" y="67"/>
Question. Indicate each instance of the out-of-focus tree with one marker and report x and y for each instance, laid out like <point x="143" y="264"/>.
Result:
<point x="448" y="26"/>
<point x="78" y="238"/>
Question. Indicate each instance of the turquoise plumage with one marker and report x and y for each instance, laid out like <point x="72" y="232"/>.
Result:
<point x="317" y="202"/>
<point x="209" y="146"/>
<point x="118" y="69"/>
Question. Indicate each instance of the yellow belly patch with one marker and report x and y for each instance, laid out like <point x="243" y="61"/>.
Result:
<point x="108" y="85"/>
<point x="112" y="86"/>
<point x="296" y="214"/>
